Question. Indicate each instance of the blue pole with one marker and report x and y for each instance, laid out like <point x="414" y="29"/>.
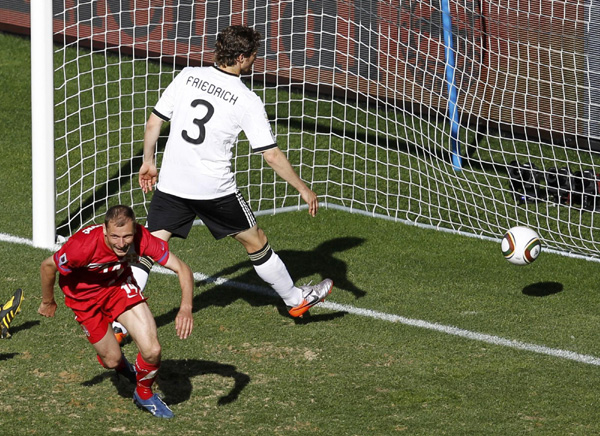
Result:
<point x="451" y="84"/>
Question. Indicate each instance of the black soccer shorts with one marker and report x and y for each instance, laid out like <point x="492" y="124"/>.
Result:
<point x="224" y="216"/>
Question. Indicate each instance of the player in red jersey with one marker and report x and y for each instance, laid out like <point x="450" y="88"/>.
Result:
<point x="96" y="278"/>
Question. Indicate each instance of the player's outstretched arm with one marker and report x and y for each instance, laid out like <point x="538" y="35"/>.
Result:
<point x="184" y="322"/>
<point x="148" y="172"/>
<point x="281" y="165"/>
<point x="48" y="272"/>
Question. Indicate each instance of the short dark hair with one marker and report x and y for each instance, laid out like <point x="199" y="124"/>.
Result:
<point x="120" y="215"/>
<point x="233" y="41"/>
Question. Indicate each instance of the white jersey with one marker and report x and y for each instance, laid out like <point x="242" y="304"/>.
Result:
<point x="208" y="108"/>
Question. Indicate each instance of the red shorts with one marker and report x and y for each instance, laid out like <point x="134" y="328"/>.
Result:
<point x="94" y="315"/>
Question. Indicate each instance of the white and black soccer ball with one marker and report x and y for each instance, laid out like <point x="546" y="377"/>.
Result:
<point x="521" y="245"/>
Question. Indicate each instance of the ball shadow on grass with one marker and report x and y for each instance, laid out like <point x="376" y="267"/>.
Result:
<point x="543" y="289"/>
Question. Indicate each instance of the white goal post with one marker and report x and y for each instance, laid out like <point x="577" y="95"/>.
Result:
<point x="42" y="122"/>
<point x="366" y="98"/>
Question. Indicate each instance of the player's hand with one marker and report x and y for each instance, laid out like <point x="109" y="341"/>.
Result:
<point x="312" y="200"/>
<point x="147" y="177"/>
<point x="184" y="323"/>
<point x="47" y="309"/>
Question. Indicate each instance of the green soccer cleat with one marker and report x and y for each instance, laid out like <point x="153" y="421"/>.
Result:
<point x="8" y="312"/>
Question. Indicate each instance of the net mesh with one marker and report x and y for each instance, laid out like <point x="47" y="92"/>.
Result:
<point x="358" y="98"/>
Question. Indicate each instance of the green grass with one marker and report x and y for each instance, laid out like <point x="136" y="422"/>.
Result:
<point x="15" y="140"/>
<point x="247" y="369"/>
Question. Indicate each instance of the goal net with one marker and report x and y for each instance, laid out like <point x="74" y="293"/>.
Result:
<point x="368" y="99"/>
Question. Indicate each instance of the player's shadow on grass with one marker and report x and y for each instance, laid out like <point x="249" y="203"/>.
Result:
<point x="543" y="289"/>
<point x="25" y="326"/>
<point x="6" y="356"/>
<point x="301" y="264"/>
<point x="174" y="380"/>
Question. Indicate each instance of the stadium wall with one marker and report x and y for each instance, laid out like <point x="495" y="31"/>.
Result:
<point x="524" y="68"/>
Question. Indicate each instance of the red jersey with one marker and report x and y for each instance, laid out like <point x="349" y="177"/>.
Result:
<point x="87" y="266"/>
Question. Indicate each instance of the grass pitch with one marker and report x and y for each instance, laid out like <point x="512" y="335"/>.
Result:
<point x="248" y="369"/>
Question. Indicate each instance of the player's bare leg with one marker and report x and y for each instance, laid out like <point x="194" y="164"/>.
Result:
<point x="110" y="356"/>
<point x="141" y="326"/>
<point x="165" y="235"/>
<point x="140" y="323"/>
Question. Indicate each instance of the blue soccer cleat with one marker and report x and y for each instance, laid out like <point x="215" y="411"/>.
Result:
<point x="154" y="405"/>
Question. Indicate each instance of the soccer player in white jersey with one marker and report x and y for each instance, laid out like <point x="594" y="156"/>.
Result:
<point x="208" y="107"/>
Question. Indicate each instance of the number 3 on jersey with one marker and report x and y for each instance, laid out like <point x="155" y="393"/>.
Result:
<point x="200" y="122"/>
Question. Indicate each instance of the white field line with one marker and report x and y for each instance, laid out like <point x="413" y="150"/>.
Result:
<point x="15" y="240"/>
<point x="449" y="330"/>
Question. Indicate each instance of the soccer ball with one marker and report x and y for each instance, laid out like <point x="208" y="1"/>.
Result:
<point x="521" y="245"/>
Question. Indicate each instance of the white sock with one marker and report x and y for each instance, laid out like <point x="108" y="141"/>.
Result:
<point x="140" y="275"/>
<point x="274" y="272"/>
<point x="117" y="324"/>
